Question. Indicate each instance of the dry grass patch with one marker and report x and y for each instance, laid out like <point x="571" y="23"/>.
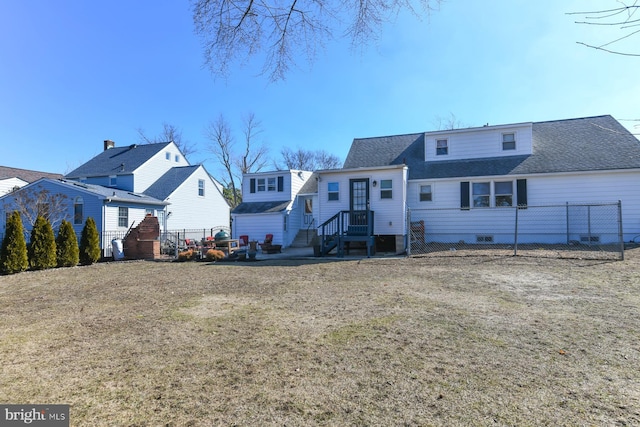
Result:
<point x="454" y="341"/>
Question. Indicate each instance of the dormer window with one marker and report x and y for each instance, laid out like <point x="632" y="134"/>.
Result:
<point x="113" y="180"/>
<point x="508" y="141"/>
<point x="271" y="184"/>
<point x="442" y="147"/>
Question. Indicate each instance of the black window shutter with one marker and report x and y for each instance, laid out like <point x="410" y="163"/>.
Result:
<point x="464" y="195"/>
<point x="252" y="185"/>
<point x="521" y="187"/>
<point x="280" y="183"/>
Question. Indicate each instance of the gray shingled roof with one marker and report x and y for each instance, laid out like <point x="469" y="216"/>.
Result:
<point x="118" y="160"/>
<point x="583" y="144"/>
<point x="310" y="186"/>
<point x="25" y="174"/>
<point x="261" y="207"/>
<point x="107" y="192"/>
<point x="167" y="183"/>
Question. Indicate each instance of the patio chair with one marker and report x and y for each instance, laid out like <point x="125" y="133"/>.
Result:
<point x="243" y="240"/>
<point x="268" y="247"/>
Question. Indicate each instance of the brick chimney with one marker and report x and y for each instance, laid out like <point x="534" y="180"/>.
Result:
<point x="108" y="144"/>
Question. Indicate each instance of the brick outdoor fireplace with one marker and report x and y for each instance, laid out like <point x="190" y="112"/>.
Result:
<point x="142" y="242"/>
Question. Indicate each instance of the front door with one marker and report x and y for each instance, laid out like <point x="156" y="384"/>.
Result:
<point x="358" y="201"/>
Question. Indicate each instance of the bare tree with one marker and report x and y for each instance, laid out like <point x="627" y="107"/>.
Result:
<point x="169" y="133"/>
<point x="222" y="145"/>
<point x="252" y="158"/>
<point x="309" y="160"/>
<point x="622" y="17"/>
<point x="36" y="201"/>
<point x="233" y="30"/>
<point x="449" y="123"/>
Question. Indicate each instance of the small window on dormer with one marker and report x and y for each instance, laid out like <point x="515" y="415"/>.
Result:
<point x="508" y="141"/>
<point x="261" y="184"/>
<point x="442" y="147"/>
<point x="271" y="184"/>
<point x="113" y="180"/>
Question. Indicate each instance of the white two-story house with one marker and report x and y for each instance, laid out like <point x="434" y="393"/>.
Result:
<point x="458" y="185"/>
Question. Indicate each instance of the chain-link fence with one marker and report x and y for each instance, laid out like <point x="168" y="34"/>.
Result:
<point x="592" y="231"/>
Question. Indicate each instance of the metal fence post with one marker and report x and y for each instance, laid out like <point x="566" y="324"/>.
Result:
<point x="515" y="235"/>
<point x="568" y="231"/>
<point x="620" y="234"/>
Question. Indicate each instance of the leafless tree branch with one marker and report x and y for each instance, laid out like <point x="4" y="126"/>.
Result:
<point x="602" y="18"/>
<point x="279" y="30"/>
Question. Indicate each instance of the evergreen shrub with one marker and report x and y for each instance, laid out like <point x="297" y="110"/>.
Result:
<point x="67" y="250"/>
<point x="89" y="243"/>
<point x="42" y="248"/>
<point x="13" y="252"/>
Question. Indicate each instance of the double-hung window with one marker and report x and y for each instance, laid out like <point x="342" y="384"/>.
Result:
<point x="508" y="141"/>
<point x="426" y="193"/>
<point x="333" y="191"/>
<point x="271" y="184"/>
<point x="123" y="217"/>
<point x="481" y="194"/>
<point x="503" y="193"/>
<point x="442" y="147"/>
<point x="201" y="187"/>
<point x="261" y="184"/>
<point x="491" y="194"/>
<point x="386" y="189"/>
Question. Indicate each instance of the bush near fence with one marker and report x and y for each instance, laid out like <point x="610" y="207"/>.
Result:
<point x="571" y="230"/>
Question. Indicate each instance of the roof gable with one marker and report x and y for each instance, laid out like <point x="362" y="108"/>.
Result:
<point x="118" y="160"/>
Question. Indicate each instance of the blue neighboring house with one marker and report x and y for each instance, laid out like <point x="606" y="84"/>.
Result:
<point x="122" y="185"/>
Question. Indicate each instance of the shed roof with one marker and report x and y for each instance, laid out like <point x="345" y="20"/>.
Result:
<point x="261" y="207"/>
<point x="170" y="181"/>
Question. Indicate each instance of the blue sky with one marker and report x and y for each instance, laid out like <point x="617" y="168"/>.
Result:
<point x="74" y="73"/>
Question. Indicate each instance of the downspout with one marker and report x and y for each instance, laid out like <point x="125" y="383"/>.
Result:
<point x="104" y="223"/>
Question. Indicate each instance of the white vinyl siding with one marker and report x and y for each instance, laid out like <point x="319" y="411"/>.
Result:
<point x="155" y="167"/>
<point x="389" y="215"/>
<point x="190" y="211"/>
<point x="479" y="143"/>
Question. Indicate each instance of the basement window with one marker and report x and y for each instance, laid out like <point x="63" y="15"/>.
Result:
<point x="484" y="238"/>
<point x="589" y="239"/>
